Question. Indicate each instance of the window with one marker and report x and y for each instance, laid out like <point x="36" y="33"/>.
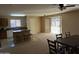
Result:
<point x="56" y="25"/>
<point x="15" y="23"/>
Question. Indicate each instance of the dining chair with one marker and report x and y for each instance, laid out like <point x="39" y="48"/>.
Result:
<point x="75" y="50"/>
<point x="66" y="49"/>
<point x="61" y="48"/>
<point x="59" y="36"/>
<point x="67" y="34"/>
<point x="69" y="50"/>
<point x="52" y="46"/>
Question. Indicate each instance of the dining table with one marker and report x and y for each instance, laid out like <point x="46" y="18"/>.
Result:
<point x="73" y="41"/>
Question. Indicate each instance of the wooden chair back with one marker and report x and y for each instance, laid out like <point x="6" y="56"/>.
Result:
<point x="52" y="46"/>
<point x="67" y="34"/>
<point x="58" y="36"/>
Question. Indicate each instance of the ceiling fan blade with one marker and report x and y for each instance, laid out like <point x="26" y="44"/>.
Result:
<point x="64" y="6"/>
<point x="70" y="6"/>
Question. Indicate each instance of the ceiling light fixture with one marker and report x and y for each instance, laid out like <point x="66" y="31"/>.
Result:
<point x="17" y="15"/>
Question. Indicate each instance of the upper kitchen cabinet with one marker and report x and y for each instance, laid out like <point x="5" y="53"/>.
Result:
<point x="3" y="22"/>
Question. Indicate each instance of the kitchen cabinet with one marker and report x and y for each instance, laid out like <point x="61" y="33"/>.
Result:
<point x="21" y="36"/>
<point x="3" y="35"/>
<point x="3" y="22"/>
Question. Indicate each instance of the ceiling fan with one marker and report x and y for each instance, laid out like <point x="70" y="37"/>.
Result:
<point x="64" y="6"/>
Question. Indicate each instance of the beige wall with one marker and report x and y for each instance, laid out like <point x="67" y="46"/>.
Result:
<point x="33" y="23"/>
<point x="45" y="24"/>
<point x="70" y="22"/>
<point x="42" y="24"/>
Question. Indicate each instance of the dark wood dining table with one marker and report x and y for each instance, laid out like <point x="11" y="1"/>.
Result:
<point x="70" y="41"/>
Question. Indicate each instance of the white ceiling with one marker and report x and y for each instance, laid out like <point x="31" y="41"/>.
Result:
<point x="32" y="9"/>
